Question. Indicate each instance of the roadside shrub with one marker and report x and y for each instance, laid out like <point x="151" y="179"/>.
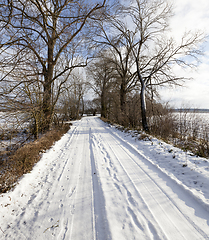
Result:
<point x="163" y="126"/>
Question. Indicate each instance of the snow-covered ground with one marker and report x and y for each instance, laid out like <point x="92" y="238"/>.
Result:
<point x="100" y="183"/>
<point x="191" y="123"/>
<point x="13" y="129"/>
<point x="203" y="117"/>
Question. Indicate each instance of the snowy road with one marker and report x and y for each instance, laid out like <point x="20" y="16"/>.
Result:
<point x="94" y="185"/>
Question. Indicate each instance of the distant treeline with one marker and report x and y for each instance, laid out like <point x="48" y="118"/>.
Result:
<point x="191" y="110"/>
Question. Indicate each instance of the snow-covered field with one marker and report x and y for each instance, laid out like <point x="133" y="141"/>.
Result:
<point x="100" y="183"/>
<point x="13" y="129"/>
<point x="191" y="123"/>
<point x="204" y="117"/>
<point x="11" y="119"/>
<point x="201" y="118"/>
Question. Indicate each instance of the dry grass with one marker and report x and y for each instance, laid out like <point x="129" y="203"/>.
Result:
<point x="23" y="160"/>
<point x="144" y="137"/>
<point x="106" y="120"/>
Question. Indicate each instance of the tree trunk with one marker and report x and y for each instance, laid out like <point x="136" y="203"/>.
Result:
<point x="143" y="109"/>
<point x="124" y="118"/>
<point x="142" y="98"/>
<point x="47" y="94"/>
<point x="47" y="111"/>
<point x="47" y="104"/>
<point x="103" y="106"/>
<point x="82" y="106"/>
<point x="78" y="108"/>
<point x="123" y="98"/>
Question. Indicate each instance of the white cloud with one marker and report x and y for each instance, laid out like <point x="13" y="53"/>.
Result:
<point x="191" y="15"/>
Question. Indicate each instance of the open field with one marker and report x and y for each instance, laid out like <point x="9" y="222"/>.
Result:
<point x="13" y="130"/>
<point x="193" y="123"/>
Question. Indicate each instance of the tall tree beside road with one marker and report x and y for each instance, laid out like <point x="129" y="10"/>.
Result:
<point x="121" y="56"/>
<point x="101" y="75"/>
<point x="47" y="30"/>
<point x="155" y="53"/>
<point x="145" y="51"/>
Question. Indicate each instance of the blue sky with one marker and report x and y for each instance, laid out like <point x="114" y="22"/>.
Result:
<point x="191" y="15"/>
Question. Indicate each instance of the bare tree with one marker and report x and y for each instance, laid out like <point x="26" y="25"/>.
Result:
<point x="101" y="75"/>
<point x="154" y="53"/>
<point x="71" y="100"/>
<point x="112" y="40"/>
<point x="8" y="62"/>
<point x="47" y="30"/>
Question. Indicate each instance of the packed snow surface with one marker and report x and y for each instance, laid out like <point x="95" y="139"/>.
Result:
<point x="100" y="183"/>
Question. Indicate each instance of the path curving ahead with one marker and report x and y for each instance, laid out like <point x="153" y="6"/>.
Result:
<point x="93" y="185"/>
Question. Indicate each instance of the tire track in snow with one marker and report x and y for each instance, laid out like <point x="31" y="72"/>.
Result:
<point x="79" y="225"/>
<point x="180" y="214"/>
<point x="145" y="163"/>
<point x="73" y="204"/>
<point x="117" y="146"/>
<point x="102" y="231"/>
<point x="145" y="225"/>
